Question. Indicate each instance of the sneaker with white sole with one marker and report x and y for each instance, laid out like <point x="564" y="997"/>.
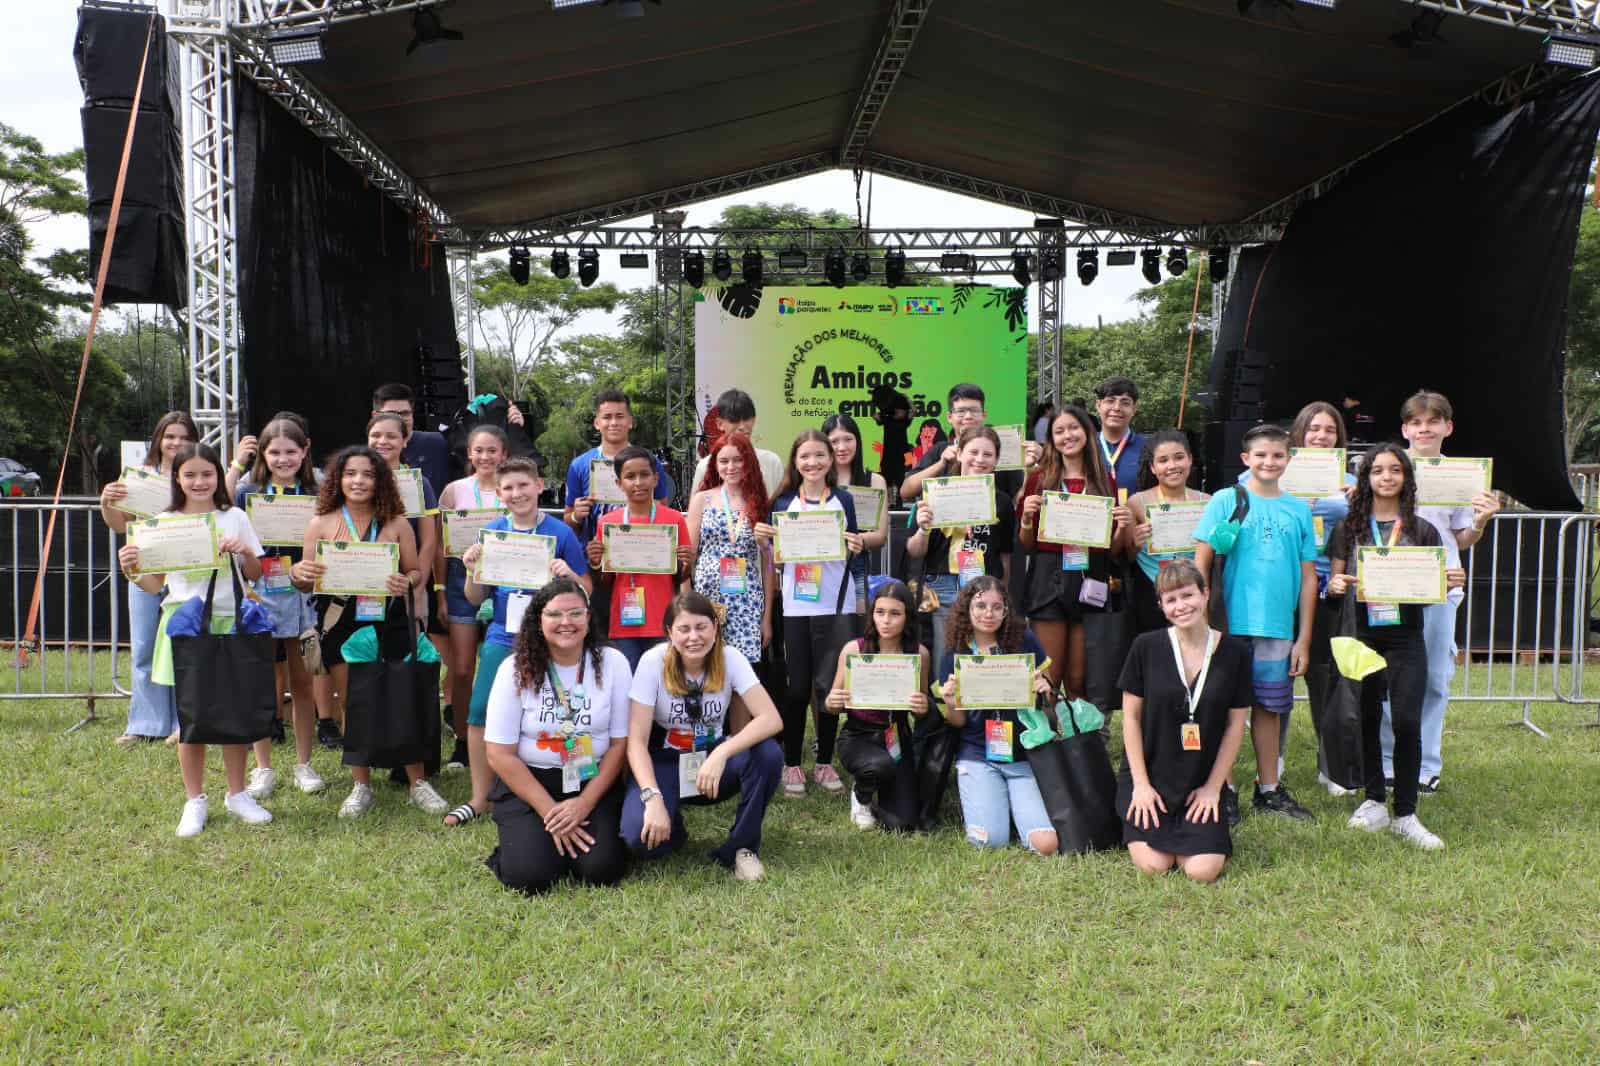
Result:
<point x="1333" y="789"/>
<point x="1370" y="817"/>
<point x="1412" y="831"/>
<point x="794" y="782"/>
<point x="861" y="814"/>
<point x="308" y="780"/>
<point x="827" y="778"/>
<point x="262" y="780"/>
<point x="423" y="796"/>
<point x="244" y="807"/>
<point x="356" y="804"/>
<point x="746" y="867"/>
<point x="194" y="815"/>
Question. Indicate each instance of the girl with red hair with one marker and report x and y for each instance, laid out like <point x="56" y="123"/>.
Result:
<point x="729" y="566"/>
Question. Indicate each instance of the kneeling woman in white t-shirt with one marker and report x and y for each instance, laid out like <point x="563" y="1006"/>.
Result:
<point x="558" y="705"/>
<point x="678" y="747"/>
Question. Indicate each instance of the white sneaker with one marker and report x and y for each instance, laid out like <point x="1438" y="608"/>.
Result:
<point x="1333" y="789"/>
<point x="423" y="796"/>
<point x="262" y="780"/>
<point x="244" y="807"/>
<point x="1412" y="831"/>
<point x="746" y="867"/>
<point x="1370" y="817"/>
<point x="308" y="780"/>
<point x="194" y="816"/>
<point x="356" y="804"/>
<point x="861" y="814"/>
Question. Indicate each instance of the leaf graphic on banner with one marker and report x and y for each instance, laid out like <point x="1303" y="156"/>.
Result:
<point x="740" y="301"/>
<point x="958" y="300"/>
<point x="1015" y="303"/>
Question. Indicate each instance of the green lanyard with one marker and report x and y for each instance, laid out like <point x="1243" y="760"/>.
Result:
<point x="569" y="724"/>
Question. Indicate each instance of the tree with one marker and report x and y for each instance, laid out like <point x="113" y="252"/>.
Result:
<point x="523" y="322"/>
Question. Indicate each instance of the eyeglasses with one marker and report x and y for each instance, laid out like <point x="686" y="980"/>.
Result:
<point x="967" y="410"/>
<point x="988" y="608"/>
<point x="577" y="614"/>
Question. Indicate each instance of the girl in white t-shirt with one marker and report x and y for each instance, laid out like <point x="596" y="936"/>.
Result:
<point x="198" y="488"/>
<point x="679" y="747"/>
<point x="558" y="709"/>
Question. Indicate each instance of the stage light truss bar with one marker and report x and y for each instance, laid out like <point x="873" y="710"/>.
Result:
<point x="461" y="264"/>
<point x="1532" y="16"/>
<point x="259" y="16"/>
<point x="904" y="21"/>
<point x="683" y="428"/>
<point x="1050" y="297"/>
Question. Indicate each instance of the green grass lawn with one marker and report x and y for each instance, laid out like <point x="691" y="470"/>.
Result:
<point x="386" y="940"/>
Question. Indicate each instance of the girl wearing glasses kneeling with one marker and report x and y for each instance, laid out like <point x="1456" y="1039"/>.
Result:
<point x="679" y="745"/>
<point x="558" y="708"/>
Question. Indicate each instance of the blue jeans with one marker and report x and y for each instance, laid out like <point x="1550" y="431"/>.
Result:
<point x="1439" y="634"/>
<point x="753" y="774"/>
<point x="947" y="588"/>
<point x="633" y="648"/>
<point x="996" y="794"/>
<point x="152" y="711"/>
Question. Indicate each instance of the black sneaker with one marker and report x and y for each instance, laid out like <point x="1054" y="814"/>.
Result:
<point x="328" y="734"/>
<point x="458" y="757"/>
<point x="1230" y="806"/>
<point x="1430" y="787"/>
<point x="275" y="731"/>
<point x="447" y="717"/>
<point x="1280" y="802"/>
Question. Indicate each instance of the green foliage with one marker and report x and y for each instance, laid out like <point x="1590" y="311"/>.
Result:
<point x="1582" y="393"/>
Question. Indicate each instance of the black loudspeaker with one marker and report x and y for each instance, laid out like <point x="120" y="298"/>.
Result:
<point x="443" y="388"/>
<point x="148" y="261"/>
<point x="1224" y="444"/>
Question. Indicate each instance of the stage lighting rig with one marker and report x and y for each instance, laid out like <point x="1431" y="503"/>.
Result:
<point x="517" y="265"/>
<point x="1121" y="257"/>
<point x="833" y="267"/>
<point x="1218" y="258"/>
<point x="860" y="267"/>
<point x="1051" y="266"/>
<point x="752" y="268"/>
<point x="1150" y="263"/>
<point x="694" y="267"/>
<point x="292" y="47"/>
<point x="1177" y="261"/>
<point x="1021" y="268"/>
<point x="1572" y="50"/>
<point x="561" y="263"/>
<point x="894" y="267"/>
<point x="793" y="259"/>
<point x="1088" y="264"/>
<point x="634" y="261"/>
<point x="428" y="32"/>
<point x="721" y="264"/>
<point x="959" y="263"/>
<point x="588" y="266"/>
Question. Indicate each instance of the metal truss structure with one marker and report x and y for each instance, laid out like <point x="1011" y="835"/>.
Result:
<point x="461" y="262"/>
<point x="908" y="239"/>
<point x="683" y="428"/>
<point x="1533" y="16"/>
<point x="1052" y="249"/>
<point x="904" y="22"/>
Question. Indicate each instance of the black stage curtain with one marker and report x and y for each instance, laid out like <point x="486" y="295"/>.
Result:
<point x="335" y="294"/>
<point x="1442" y="262"/>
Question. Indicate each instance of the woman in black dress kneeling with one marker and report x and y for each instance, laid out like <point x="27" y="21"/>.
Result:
<point x="1186" y="691"/>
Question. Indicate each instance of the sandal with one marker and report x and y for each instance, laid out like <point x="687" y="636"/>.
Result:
<point x="462" y="815"/>
<point x="128" y="740"/>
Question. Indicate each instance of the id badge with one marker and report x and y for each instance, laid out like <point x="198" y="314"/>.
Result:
<point x="516" y="607"/>
<point x="689" y="764"/>
<point x="1191" y="736"/>
<point x="369" y="608"/>
<point x="1074" y="557"/>
<point x="968" y="566"/>
<point x="1093" y="592"/>
<point x="631" y="613"/>
<point x="571" y="778"/>
<point x="577" y="761"/>
<point x="1383" y="614"/>
<point x="275" y="575"/>
<point x="808" y="582"/>
<point x="997" y="740"/>
<point x="891" y="742"/>
<point x="733" y="575"/>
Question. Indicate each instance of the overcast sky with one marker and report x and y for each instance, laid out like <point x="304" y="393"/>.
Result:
<point x="42" y="98"/>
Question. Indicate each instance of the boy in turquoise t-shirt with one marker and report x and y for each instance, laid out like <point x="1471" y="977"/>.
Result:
<point x="1269" y="585"/>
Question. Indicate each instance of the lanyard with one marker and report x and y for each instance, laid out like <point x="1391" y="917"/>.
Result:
<point x="805" y="504"/>
<point x="736" y="519"/>
<point x="561" y="693"/>
<point x="372" y="526"/>
<point x="477" y="494"/>
<point x="1193" y="694"/>
<point x="1394" y="532"/>
<point x="274" y="490"/>
<point x="1105" y="449"/>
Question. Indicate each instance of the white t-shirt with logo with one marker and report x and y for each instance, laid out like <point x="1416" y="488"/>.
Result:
<point x="669" y="713"/>
<point x="524" y="717"/>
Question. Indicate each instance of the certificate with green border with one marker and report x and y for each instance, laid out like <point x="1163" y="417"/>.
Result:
<point x="515" y="560"/>
<point x="869" y="505"/>
<point x="646" y="548"/>
<point x="1451" y="481"/>
<point x="461" y="527"/>
<point x="408" y="480"/>
<point x="882" y="682"/>
<point x="994" y="682"/>
<point x="1172" y="526"/>
<point x="176" y="544"/>
<point x="357" y="567"/>
<point x="957" y="502"/>
<point x="1313" y="473"/>
<point x="1400" y="575"/>
<point x="278" y="517"/>
<point x="148" y="494"/>
<point x="810" y="536"/>
<point x="1013" y="454"/>
<point x="1070" y="518"/>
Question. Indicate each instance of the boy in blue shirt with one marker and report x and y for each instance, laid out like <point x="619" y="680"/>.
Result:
<point x="1269" y="586"/>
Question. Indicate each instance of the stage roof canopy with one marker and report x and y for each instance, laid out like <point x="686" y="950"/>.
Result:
<point x="1178" y="111"/>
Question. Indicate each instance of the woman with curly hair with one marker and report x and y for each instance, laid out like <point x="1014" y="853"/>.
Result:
<point x="994" y="778"/>
<point x="556" y="733"/>
<point x="358" y="501"/>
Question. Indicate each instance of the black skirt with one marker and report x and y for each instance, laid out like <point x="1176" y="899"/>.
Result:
<point x="1176" y="835"/>
<point x="1051" y="593"/>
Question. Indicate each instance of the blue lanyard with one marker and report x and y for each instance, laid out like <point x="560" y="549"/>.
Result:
<point x="372" y="527"/>
<point x="1394" y="533"/>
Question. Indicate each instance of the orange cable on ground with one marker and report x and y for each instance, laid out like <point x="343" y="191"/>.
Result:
<point x="1188" y="356"/>
<point x="88" y="343"/>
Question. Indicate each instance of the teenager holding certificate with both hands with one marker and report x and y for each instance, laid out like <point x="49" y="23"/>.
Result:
<point x="844" y="437"/>
<point x="358" y="502"/>
<point x="818" y="608"/>
<point x="730" y="562"/>
<point x="1165" y="498"/>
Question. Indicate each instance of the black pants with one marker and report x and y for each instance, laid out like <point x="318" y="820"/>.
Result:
<point x="1320" y="670"/>
<point x="888" y="787"/>
<point x="811" y="648"/>
<point x="1406" y="681"/>
<point x="527" y="859"/>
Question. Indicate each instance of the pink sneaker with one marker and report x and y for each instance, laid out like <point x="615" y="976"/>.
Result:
<point x="827" y="778"/>
<point x="794" y="782"/>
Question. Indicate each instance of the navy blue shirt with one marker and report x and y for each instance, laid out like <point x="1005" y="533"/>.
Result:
<point x="1126" y="469"/>
<point x="973" y="745"/>
<point x="431" y="453"/>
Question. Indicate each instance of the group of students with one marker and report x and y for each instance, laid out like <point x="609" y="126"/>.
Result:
<point x="705" y="681"/>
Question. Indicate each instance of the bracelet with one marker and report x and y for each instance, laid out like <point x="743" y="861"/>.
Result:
<point x="438" y="587"/>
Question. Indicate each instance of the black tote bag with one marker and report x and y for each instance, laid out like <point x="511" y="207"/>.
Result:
<point x="1079" y="789"/>
<point x="223" y="683"/>
<point x="1107" y="636"/>
<point x="1339" y="731"/>
<point x="392" y="708"/>
<point x="896" y="806"/>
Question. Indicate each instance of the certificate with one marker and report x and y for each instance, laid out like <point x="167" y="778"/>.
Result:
<point x="639" y="549"/>
<point x="603" y="484"/>
<point x="1012" y="454"/>
<point x="994" y="681"/>
<point x="882" y="682"/>
<point x="517" y="560"/>
<point x="176" y="544"/>
<point x="810" y="536"/>
<point x="409" y="481"/>
<point x="1172" y="526"/>
<point x="1400" y="575"/>
<point x="357" y="567"/>
<point x="281" y="519"/>
<point x="960" y="501"/>
<point x="869" y="505"/>
<point x="461" y="528"/>
<point x="1450" y="482"/>
<point x="148" y="494"/>
<point x="1068" y="518"/>
<point x="1314" y="473"/>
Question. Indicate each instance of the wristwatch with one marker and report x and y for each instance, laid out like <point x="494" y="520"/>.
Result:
<point x="648" y="794"/>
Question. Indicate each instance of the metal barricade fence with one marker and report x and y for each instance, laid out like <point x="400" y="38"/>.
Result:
<point x="76" y="646"/>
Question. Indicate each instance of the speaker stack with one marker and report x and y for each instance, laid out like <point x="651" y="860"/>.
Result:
<point x="1241" y="402"/>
